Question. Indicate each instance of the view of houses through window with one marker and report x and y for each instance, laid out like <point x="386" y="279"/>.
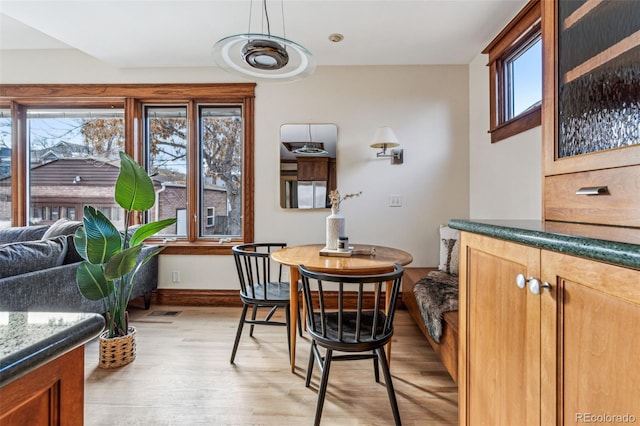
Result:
<point x="221" y="154"/>
<point x="73" y="157"/>
<point x="220" y="141"/>
<point x="74" y="162"/>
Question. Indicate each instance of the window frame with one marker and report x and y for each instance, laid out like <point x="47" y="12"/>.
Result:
<point x="520" y="33"/>
<point x="132" y="97"/>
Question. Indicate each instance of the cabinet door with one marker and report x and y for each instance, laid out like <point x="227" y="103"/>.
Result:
<point x="314" y="168"/>
<point x="590" y="345"/>
<point x="589" y="109"/>
<point x="499" y="347"/>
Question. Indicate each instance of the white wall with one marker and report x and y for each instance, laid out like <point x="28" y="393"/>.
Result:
<point x="428" y="107"/>
<point x="505" y="177"/>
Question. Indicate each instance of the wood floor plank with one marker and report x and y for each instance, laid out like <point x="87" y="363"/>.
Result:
<point x="182" y="376"/>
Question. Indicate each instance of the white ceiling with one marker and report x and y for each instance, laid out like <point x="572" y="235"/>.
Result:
<point x="181" y="33"/>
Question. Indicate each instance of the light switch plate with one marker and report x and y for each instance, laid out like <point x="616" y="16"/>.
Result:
<point x="395" y="200"/>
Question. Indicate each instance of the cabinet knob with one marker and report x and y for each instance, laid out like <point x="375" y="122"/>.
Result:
<point x="535" y="286"/>
<point x="521" y="281"/>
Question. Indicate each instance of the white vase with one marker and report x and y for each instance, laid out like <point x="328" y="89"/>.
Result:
<point x="335" y="229"/>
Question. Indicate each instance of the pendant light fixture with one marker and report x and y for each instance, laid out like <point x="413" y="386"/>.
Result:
<point x="264" y="57"/>
<point x="311" y="148"/>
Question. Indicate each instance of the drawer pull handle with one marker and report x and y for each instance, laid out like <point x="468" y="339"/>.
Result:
<point x="593" y="190"/>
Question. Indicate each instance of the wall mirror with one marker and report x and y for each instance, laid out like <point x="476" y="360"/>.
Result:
<point x="307" y="165"/>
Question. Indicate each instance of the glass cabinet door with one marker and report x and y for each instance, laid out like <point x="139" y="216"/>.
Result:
<point x="592" y="84"/>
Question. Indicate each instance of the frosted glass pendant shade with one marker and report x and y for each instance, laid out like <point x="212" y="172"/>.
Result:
<point x="263" y="57"/>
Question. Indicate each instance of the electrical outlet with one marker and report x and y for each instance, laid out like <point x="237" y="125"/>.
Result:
<point x="395" y="200"/>
<point x="175" y="276"/>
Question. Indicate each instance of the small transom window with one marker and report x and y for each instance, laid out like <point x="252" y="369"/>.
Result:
<point x="515" y="63"/>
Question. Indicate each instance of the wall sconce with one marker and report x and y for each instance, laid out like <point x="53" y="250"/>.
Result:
<point x="77" y="179"/>
<point x="385" y="139"/>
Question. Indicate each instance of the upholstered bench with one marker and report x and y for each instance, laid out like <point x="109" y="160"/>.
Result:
<point x="431" y="297"/>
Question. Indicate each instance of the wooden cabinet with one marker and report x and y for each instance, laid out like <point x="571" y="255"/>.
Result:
<point x="590" y="350"/>
<point x="313" y="168"/>
<point x="542" y="359"/>
<point x="499" y="365"/>
<point x="53" y="394"/>
<point x="589" y="110"/>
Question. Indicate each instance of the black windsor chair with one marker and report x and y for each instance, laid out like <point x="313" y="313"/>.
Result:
<point x="261" y="286"/>
<point x="353" y="330"/>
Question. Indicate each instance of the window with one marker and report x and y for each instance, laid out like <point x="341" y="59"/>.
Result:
<point x="221" y="156"/>
<point x="166" y="140"/>
<point x="515" y="68"/>
<point x="5" y="167"/>
<point x="220" y="146"/>
<point x="196" y="140"/>
<point x="71" y="155"/>
<point x="211" y="217"/>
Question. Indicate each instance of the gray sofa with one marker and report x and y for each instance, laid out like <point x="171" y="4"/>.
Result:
<point x="38" y="271"/>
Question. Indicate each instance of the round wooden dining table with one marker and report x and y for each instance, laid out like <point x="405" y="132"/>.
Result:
<point x="374" y="260"/>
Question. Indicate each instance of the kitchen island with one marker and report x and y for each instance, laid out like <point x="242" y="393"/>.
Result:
<point x="42" y="366"/>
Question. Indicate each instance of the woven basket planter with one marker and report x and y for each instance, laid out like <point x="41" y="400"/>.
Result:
<point x="117" y="351"/>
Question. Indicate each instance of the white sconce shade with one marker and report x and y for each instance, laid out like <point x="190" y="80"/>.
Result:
<point x="386" y="138"/>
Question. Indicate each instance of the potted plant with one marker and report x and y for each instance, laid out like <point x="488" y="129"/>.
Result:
<point x="111" y="258"/>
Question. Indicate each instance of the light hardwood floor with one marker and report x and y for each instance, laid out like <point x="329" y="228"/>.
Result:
<point x="182" y="376"/>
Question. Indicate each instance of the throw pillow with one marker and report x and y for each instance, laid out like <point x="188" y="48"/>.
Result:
<point x="62" y="226"/>
<point x="20" y="258"/>
<point x="449" y="250"/>
<point x="72" y="254"/>
<point x="22" y="233"/>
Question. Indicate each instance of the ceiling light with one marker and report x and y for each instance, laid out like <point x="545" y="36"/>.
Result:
<point x="310" y="150"/>
<point x="311" y="147"/>
<point x="264" y="56"/>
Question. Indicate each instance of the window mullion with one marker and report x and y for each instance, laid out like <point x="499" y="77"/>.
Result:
<point x="19" y="165"/>
<point x="193" y="171"/>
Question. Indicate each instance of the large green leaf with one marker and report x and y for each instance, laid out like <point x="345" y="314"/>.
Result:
<point x="80" y="241"/>
<point x="153" y="252"/>
<point x="92" y="283"/>
<point x="149" y="229"/>
<point x="134" y="188"/>
<point x="122" y="263"/>
<point x="101" y="239"/>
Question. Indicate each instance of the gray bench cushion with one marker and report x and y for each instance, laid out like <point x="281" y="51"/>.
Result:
<point x="436" y="294"/>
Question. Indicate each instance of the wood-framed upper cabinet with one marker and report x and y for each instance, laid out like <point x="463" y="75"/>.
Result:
<point x="588" y="54"/>
<point x="591" y="111"/>
<point x="313" y="168"/>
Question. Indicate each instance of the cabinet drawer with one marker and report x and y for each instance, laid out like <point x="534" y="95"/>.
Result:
<point x="620" y="205"/>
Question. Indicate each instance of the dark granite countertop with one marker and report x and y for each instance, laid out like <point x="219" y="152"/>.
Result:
<point x="611" y="244"/>
<point x="31" y="339"/>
